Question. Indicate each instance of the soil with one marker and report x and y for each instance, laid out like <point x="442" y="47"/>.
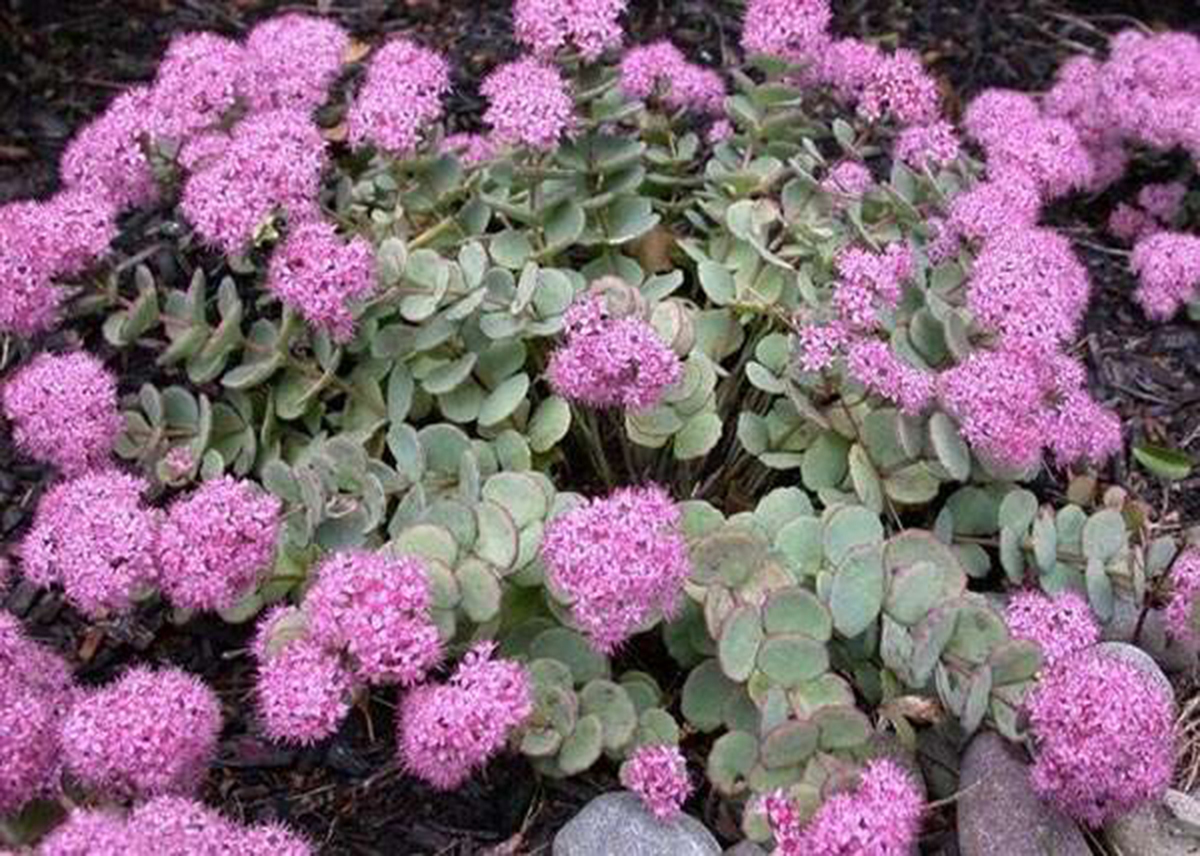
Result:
<point x="60" y="63"/>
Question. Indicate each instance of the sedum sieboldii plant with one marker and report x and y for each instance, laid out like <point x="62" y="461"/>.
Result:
<point x="753" y="360"/>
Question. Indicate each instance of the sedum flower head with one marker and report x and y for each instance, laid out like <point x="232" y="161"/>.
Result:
<point x="1060" y="625"/>
<point x="619" y="561"/>
<point x="290" y="61"/>
<point x="447" y="731"/>
<point x="63" y="411"/>
<point x="150" y="732"/>
<point x="927" y="146"/>
<point x="375" y="608"/>
<point x="611" y="362"/>
<point x="1163" y="201"/>
<point x="528" y="104"/>
<point x="587" y="26"/>
<point x="90" y="832"/>
<point x="213" y="544"/>
<point x="872" y="363"/>
<point x="323" y="276"/>
<point x="1167" y="265"/>
<point x="106" y="157"/>
<point x="847" y="178"/>
<point x="471" y="149"/>
<point x="660" y="69"/>
<point x="995" y="207"/>
<point x="1104" y="737"/>
<point x="658" y="775"/>
<point x="881" y="817"/>
<point x="179" y="825"/>
<point x="1185" y="587"/>
<point x="992" y="114"/>
<point x="793" y="30"/>
<point x="196" y="84"/>
<point x="400" y="99"/>
<point x="901" y="89"/>
<point x="93" y="536"/>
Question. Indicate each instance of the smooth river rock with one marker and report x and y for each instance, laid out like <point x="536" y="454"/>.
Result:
<point x="618" y="823"/>
<point x="1167" y="829"/>
<point x="998" y="812"/>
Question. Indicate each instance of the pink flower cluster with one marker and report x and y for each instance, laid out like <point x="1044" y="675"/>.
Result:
<point x="549" y="26"/>
<point x="1104" y="737"/>
<point x="793" y="30"/>
<point x="619" y="562"/>
<point x="303" y="690"/>
<point x="1060" y="625"/>
<point x="872" y="363"/>
<point x="471" y="149"/>
<point x="401" y="97"/>
<point x="658" y="775"/>
<point x="149" y="733"/>
<point x="447" y="731"/>
<point x="35" y="691"/>
<point x="1181" y="613"/>
<point x="290" y="61"/>
<point x="273" y="161"/>
<point x="196" y="84"/>
<point x="847" y="179"/>
<point x="106" y="159"/>
<point x="93" y="535"/>
<point x="927" y="147"/>
<point x="529" y="104"/>
<point x="992" y="208"/>
<point x="42" y="241"/>
<point x="322" y="276"/>
<point x="1167" y="265"/>
<point x="660" y="70"/>
<point x="213" y="544"/>
<point x="167" y="825"/>
<point x="1156" y="207"/>
<point x="608" y="361"/>
<point x="63" y="411"/>
<point x="881" y="817"/>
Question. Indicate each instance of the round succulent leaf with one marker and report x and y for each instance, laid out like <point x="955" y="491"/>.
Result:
<point x="738" y="644"/>
<point x="789" y="659"/>
<point x="976" y="510"/>
<point x="503" y="401"/>
<point x="461" y="405"/>
<point x="449" y="375"/>
<point x="730" y="555"/>
<point x="428" y="541"/>
<point x="704" y="694"/>
<point x="643" y="695"/>
<point x="661" y="421"/>
<point x="583" y="746"/>
<point x="480" y="590"/>
<point x="698" y="436"/>
<point x="828" y="690"/>
<point x="1104" y="535"/>
<point x="857" y="594"/>
<point x="573" y="651"/>
<point x="611" y="703"/>
<point x="797" y="610"/>
<point x="457" y="518"/>
<point x="540" y="742"/>
<point x="951" y="450"/>
<point x="865" y="479"/>
<point x="978" y="630"/>
<point x="1017" y="510"/>
<point x="550" y="422"/>
<point x="848" y="528"/>
<point x="656" y="727"/>
<point x="519" y="494"/>
<point x="1015" y="661"/>
<point x="781" y="506"/>
<point x="914" y="484"/>
<point x="825" y="461"/>
<point x="731" y="759"/>
<point x="842" y="727"/>
<point x="1045" y="542"/>
<point x="1012" y="554"/>
<point x="444" y="447"/>
<point x="930" y="638"/>
<point x="498" y="540"/>
<point x="740" y="712"/>
<point x="913" y="592"/>
<point x="547" y="672"/>
<point x="1099" y="589"/>
<point x="801" y="543"/>
<point x="916" y="545"/>
<point x="789" y="744"/>
<point x="975" y="707"/>
<point x="879" y="433"/>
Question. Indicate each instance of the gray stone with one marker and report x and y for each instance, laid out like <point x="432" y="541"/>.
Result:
<point x="1173" y="655"/>
<point x="745" y="848"/>
<point x="1140" y="660"/>
<point x="619" y="823"/>
<point x="1150" y="831"/>
<point x="998" y="812"/>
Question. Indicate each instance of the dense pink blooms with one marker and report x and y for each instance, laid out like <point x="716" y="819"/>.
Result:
<point x="588" y="26"/>
<point x="1060" y="624"/>
<point x="1147" y="88"/>
<point x="719" y="131"/>
<point x="873" y="364"/>
<point x="1104" y="737"/>
<point x="302" y="692"/>
<point x="196" y="84"/>
<point x="818" y="345"/>
<point x="93" y="536"/>
<point x="273" y="162"/>
<point x="1181" y="614"/>
<point x="1029" y="288"/>
<point x="901" y="89"/>
<point x="793" y="30"/>
<point x="400" y="99"/>
<point x="1167" y="265"/>
<point x="619" y="561"/>
<point x="660" y="69"/>
<point x="846" y="65"/>
<point x="107" y="157"/>
<point x="881" y="274"/>
<point x="376" y="608"/>
<point x="75" y="229"/>
<point x="322" y="276"/>
<point x="927" y="146"/>
<point x="847" y="178"/>
<point x="35" y="692"/>
<point x="213" y="544"/>
<point x="202" y="149"/>
<point x="471" y="148"/>
<point x="995" y="207"/>
<point x="176" y="826"/>
<point x="1080" y="429"/>
<point x="148" y="733"/>
<point x="63" y="411"/>
<point x="445" y="732"/>
<point x="1163" y="201"/>
<point x="1130" y="223"/>
<point x="1048" y="151"/>
<point x="658" y="774"/>
<point x="881" y="817"/>
<point x="528" y="104"/>
<point x="611" y="362"/>
<point x="290" y="61"/>
<point x="90" y="832"/>
<point x="991" y="116"/>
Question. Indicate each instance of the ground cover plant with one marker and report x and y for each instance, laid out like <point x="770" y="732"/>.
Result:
<point x="762" y="366"/>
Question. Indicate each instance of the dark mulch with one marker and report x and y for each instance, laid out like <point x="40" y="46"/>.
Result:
<point x="60" y="62"/>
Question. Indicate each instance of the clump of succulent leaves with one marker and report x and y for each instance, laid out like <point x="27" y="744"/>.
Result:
<point x="845" y="556"/>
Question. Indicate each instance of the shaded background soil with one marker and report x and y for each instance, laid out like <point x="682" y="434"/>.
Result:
<point x="60" y="63"/>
